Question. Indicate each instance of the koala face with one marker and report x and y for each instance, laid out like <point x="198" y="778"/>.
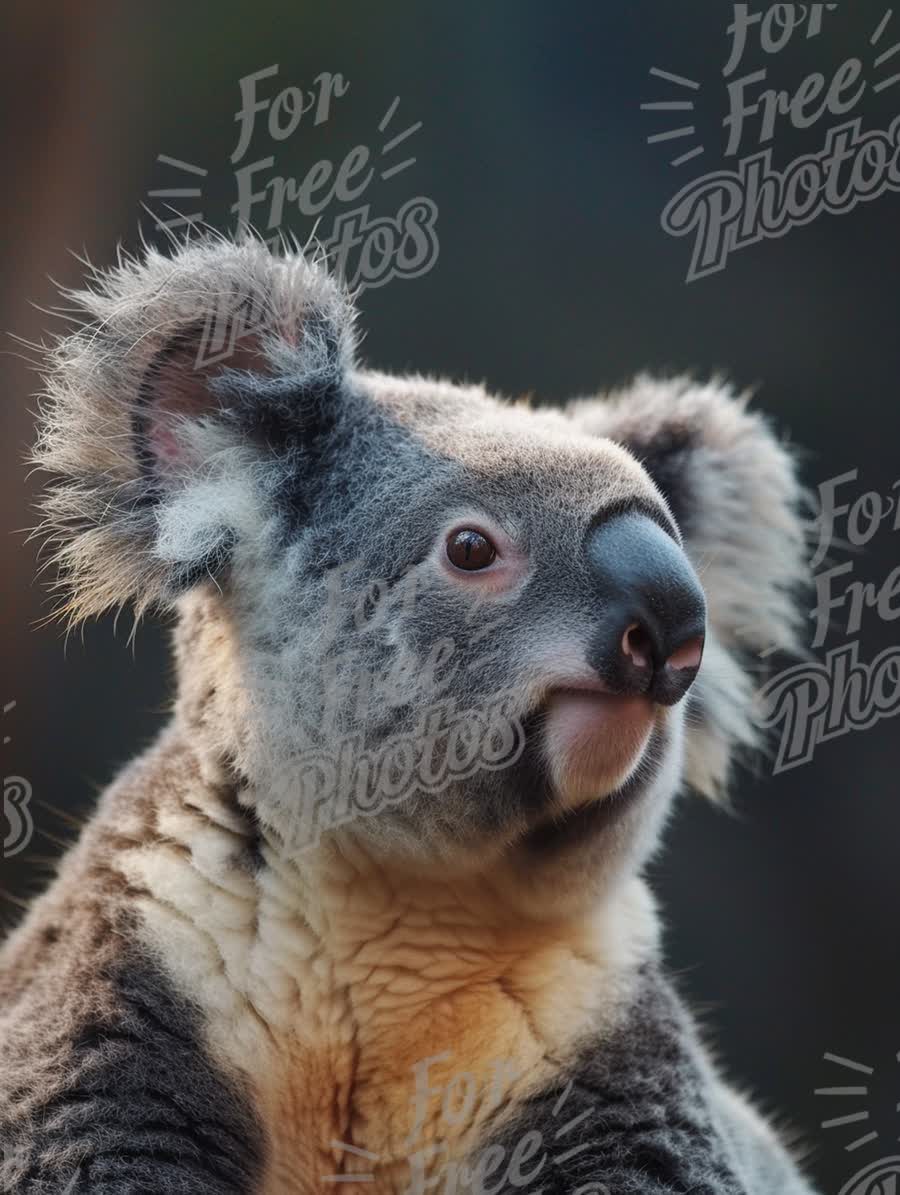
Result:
<point x="478" y="595"/>
<point x="458" y="630"/>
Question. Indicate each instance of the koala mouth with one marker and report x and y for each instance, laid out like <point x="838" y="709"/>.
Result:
<point x="594" y="739"/>
<point x="582" y="821"/>
<point x="597" y="703"/>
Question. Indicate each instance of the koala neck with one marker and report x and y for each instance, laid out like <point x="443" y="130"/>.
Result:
<point x="442" y="932"/>
<point x="405" y="936"/>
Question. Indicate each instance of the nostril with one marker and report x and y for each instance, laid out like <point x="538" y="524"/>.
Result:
<point x="675" y="677"/>
<point x="688" y="655"/>
<point x="637" y="646"/>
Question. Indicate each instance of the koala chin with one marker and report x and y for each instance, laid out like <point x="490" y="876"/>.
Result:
<point x="371" y="908"/>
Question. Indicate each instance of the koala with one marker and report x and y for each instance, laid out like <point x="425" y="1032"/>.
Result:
<point x="371" y="910"/>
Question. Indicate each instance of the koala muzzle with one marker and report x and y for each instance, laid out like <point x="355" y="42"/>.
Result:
<point x="653" y="612"/>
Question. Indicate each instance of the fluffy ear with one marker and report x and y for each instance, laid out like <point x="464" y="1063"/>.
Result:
<point x="186" y="373"/>
<point x="733" y="490"/>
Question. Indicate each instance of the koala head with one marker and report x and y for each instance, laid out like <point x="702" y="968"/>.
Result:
<point x="466" y="633"/>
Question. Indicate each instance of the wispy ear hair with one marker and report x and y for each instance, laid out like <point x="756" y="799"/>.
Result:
<point x="151" y="399"/>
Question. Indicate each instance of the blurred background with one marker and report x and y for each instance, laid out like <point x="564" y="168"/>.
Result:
<point x="553" y="277"/>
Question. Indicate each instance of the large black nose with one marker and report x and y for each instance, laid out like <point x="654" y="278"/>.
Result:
<point x="652" y="612"/>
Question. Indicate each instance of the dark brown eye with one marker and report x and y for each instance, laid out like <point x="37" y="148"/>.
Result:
<point x="470" y="550"/>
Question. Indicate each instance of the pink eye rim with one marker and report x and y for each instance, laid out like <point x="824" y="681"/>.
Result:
<point x="470" y="550"/>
